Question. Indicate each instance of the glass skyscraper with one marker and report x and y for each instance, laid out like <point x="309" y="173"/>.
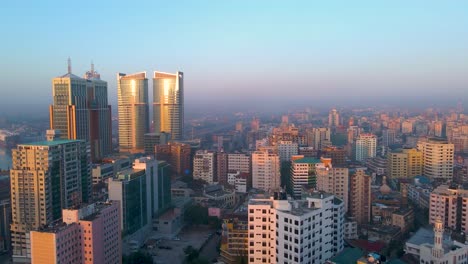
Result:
<point x="168" y="103"/>
<point x="133" y="110"/>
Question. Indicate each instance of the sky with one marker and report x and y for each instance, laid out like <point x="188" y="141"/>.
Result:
<point x="242" y="53"/>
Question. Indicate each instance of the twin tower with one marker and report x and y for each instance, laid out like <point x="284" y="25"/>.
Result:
<point x="133" y="107"/>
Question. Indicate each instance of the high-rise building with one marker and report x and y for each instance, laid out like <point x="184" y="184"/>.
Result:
<point x="132" y="92"/>
<point x="449" y="205"/>
<point x="46" y="177"/>
<point x="333" y="180"/>
<point x="287" y="149"/>
<point x="333" y="118"/>
<point x="319" y="138"/>
<point x="404" y="163"/>
<point x="153" y="139"/>
<point x="168" y="103"/>
<point x="177" y="154"/>
<point x="365" y="147"/>
<point x="204" y="166"/>
<point x="265" y="171"/>
<point x="438" y="158"/>
<point x="336" y="154"/>
<point x="303" y="175"/>
<point x="80" y="111"/>
<point x="90" y="234"/>
<point x="388" y="137"/>
<point x="222" y="167"/>
<point x="301" y="231"/>
<point x="360" y="197"/>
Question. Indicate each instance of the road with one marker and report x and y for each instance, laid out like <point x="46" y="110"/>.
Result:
<point x="209" y="251"/>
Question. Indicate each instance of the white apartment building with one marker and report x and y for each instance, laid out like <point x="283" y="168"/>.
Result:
<point x="286" y="149"/>
<point x="365" y="147"/>
<point x="265" y="171"/>
<point x="204" y="166"/>
<point x="437" y="158"/>
<point x="239" y="161"/>
<point x="301" y="231"/>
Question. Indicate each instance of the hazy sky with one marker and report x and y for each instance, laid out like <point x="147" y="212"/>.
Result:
<point x="234" y="52"/>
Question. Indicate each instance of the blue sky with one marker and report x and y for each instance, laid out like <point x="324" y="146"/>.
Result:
<point x="239" y="51"/>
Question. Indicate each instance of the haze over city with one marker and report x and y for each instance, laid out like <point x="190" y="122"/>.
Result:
<point x="237" y="53"/>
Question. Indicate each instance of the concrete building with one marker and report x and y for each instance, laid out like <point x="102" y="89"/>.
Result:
<point x="319" y="138"/>
<point x="222" y="167"/>
<point x="168" y="103"/>
<point x="241" y="183"/>
<point x="153" y="139"/>
<point x="80" y="111"/>
<point x="265" y="171"/>
<point x="93" y="229"/>
<point x="46" y="177"/>
<point x="132" y="93"/>
<point x="405" y="163"/>
<point x="178" y="155"/>
<point x="240" y="161"/>
<point x="333" y="118"/>
<point x="449" y="205"/>
<point x="336" y="154"/>
<point x="204" y="166"/>
<point x="350" y="229"/>
<point x="5" y="222"/>
<point x="441" y="250"/>
<point x="333" y="180"/>
<point x="303" y="175"/>
<point x="234" y="239"/>
<point x="301" y="231"/>
<point x="438" y="156"/>
<point x="287" y="149"/>
<point x="365" y="147"/>
<point x="388" y="137"/>
<point x="360" y="197"/>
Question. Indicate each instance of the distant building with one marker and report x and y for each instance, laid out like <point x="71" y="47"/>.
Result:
<point x="406" y="163"/>
<point x="58" y="173"/>
<point x="168" y="103"/>
<point x="177" y="154"/>
<point x="334" y="118"/>
<point x="286" y="149"/>
<point x="333" y="180"/>
<point x="388" y="137"/>
<point x="319" y="138"/>
<point x="360" y="197"/>
<point x="153" y="139"/>
<point x="132" y="92"/>
<point x="265" y="171"/>
<point x="5" y="222"/>
<point x="204" y="166"/>
<point x="449" y="206"/>
<point x="365" y="147"/>
<point x="303" y="175"/>
<point x="336" y="154"/>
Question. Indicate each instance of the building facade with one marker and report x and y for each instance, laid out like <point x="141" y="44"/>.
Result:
<point x="265" y="170"/>
<point x="360" y="197"/>
<point x="204" y="166"/>
<point x="365" y="147"/>
<point x="438" y="157"/>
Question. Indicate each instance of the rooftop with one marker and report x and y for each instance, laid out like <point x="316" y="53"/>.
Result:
<point x="51" y="143"/>
<point x="308" y="160"/>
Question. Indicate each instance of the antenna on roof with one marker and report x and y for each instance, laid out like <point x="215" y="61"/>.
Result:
<point x="69" y="65"/>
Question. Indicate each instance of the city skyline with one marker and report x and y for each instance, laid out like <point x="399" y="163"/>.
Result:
<point x="361" y="53"/>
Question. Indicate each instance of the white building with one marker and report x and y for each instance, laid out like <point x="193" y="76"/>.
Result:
<point x="440" y="250"/>
<point x="437" y="158"/>
<point x="239" y="161"/>
<point x="241" y="183"/>
<point x="301" y="231"/>
<point x="286" y="149"/>
<point x="265" y="170"/>
<point x="231" y="176"/>
<point x="350" y="230"/>
<point x="204" y="166"/>
<point x="365" y="147"/>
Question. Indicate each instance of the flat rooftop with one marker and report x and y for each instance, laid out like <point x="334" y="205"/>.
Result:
<point x="51" y="143"/>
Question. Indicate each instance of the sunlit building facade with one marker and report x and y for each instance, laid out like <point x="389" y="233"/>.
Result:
<point x="133" y="109"/>
<point x="168" y="103"/>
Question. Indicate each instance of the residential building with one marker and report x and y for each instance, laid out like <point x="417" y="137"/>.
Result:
<point x="438" y="156"/>
<point x="334" y="118"/>
<point x="333" y="180"/>
<point x="319" y="138"/>
<point x="310" y="230"/>
<point x="405" y="163"/>
<point x="365" y="147"/>
<point x="303" y="175"/>
<point x="265" y="171"/>
<point x="287" y="149"/>
<point x="336" y="154"/>
<point x="178" y="155"/>
<point x="80" y="111"/>
<point x="204" y="166"/>
<point x="46" y="177"/>
<point x="234" y="242"/>
<point x="388" y="137"/>
<point x="222" y="167"/>
<point x="360" y="197"/>
<point x="168" y="103"/>
<point x="132" y="93"/>
<point x="448" y="205"/>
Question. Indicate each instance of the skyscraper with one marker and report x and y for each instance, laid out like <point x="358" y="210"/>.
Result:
<point x="333" y="118"/>
<point x="46" y="177"/>
<point x="80" y="110"/>
<point x="133" y="109"/>
<point x="360" y="197"/>
<point x="168" y="103"/>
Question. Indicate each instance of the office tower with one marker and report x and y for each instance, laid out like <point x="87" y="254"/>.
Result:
<point x="164" y="186"/>
<point x="405" y="163"/>
<point x="388" y="137"/>
<point x="222" y="167"/>
<point x="302" y="175"/>
<point x="153" y="139"/>
<point x="46" y="177"/>
<point x="178" y="155"/>
<point x="333" y="180"/>
<point x="360" y="197"/>
<point x="310" y="230"/>
<point x="90" y="234"/>
<point x="132" y="92"/>
<point x="287" y="149"/>
<point x="319" y="138"/>
<point x="204" y="166"/>
<point x="132" y="189"/>
<point x="333" y="118"/>
<point x="336" y="154"/>
<point x="265" y="171"/>
<point x="365" y="147"/>
<point x="168" y="103"/>
<point x="80" y="111"/>
<point x="437" y="158"/>
<point x="449" y="205"/>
